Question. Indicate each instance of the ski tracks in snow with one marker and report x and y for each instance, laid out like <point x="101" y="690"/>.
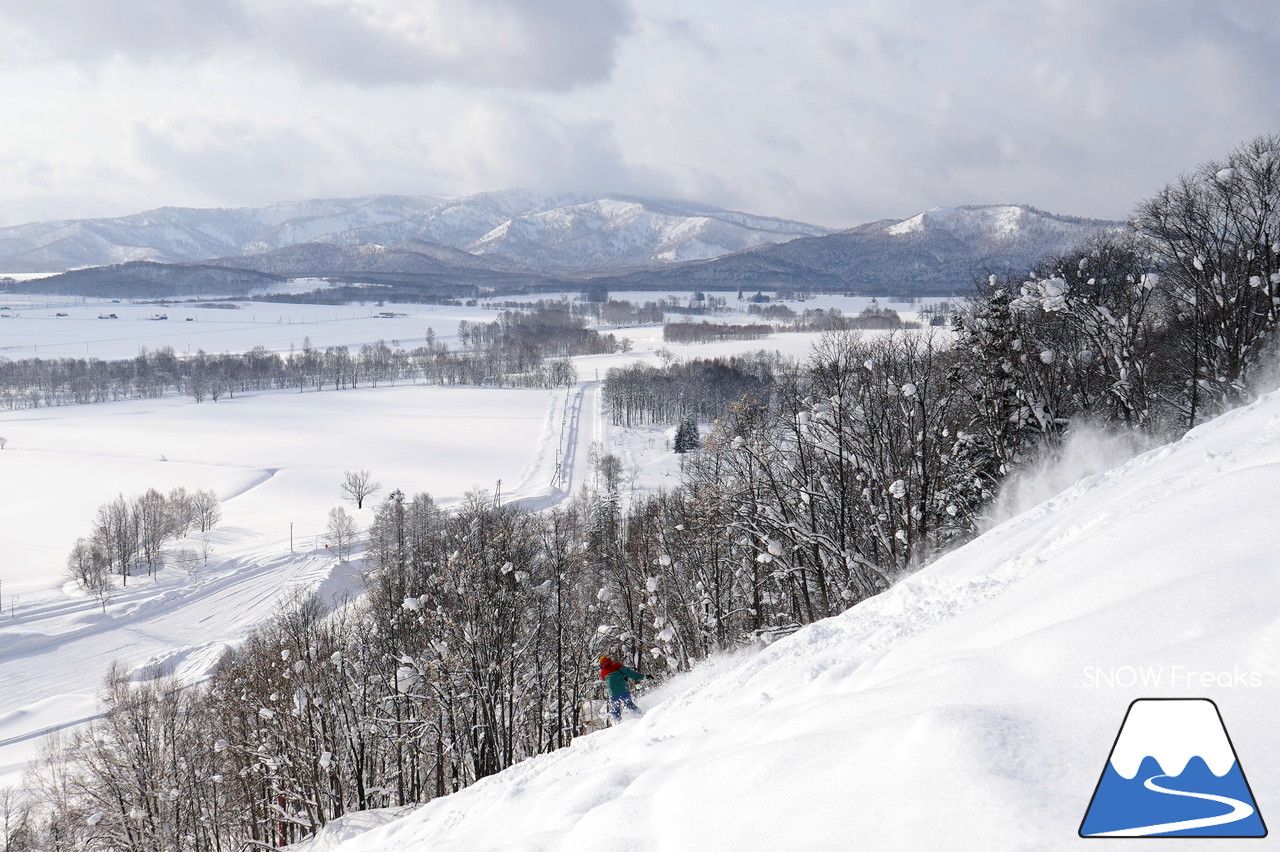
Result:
<point x="178" y="626"/>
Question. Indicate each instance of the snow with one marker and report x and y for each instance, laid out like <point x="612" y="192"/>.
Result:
<point x="36" y="331"/>
<point x="972" y="706"/>
<point x="33" y="329"/>
<point x="346" y="827"/>
<point x="914" y="225"/>
<point x="1000" y="224"/>
<point x="990" y="684"/>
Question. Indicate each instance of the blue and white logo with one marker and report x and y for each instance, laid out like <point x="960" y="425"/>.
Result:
<point x="1173" y="773"/>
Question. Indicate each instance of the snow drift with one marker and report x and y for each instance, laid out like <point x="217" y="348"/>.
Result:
<point x="973" y="706"/>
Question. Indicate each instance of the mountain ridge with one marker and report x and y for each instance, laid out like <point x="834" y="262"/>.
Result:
<point x="874" y="258"/>
<point x="617" y="242"/>
<point x="631" y="230"/>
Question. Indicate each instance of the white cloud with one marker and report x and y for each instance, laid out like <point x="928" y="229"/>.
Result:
<point x="498" y="143"/>
<point x="518" y="44"/>
<point x="874" y="109"/>
<point x="89" y="32"/>
<point x="827" y="110"/>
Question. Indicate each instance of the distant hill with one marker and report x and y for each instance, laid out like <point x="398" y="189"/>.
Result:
<point x="531" y="231"/>
<point x="142" y="279"/>
<point x="940" y="251"/>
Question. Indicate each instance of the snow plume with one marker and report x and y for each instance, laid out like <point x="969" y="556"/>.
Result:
<point x="1264" y="374"/>
<point x="661" y="689"/>
<point x="1088" y="450"/>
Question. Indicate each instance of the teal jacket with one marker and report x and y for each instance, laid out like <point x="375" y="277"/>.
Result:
<point x="617" y="681"/>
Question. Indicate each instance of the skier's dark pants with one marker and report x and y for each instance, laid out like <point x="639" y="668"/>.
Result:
<point x="617" y="702"/>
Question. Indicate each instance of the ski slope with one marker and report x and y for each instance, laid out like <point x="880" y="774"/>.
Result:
<point x="973" y="706"/>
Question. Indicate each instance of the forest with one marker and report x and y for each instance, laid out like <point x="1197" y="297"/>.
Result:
<point x="818" y="484"/>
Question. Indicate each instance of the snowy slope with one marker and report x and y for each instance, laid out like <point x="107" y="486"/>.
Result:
<point x="973" y="706"/>
<point x="619" y="231"/>
<point x="175" y="234"/>
<point x="994" y="224"/>
<point x="939" y="251"/>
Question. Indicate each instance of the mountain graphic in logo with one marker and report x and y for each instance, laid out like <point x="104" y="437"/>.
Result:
<point x="1173" y="773"/>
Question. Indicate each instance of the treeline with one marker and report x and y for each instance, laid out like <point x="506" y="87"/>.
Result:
<point x="523" y="340"/>
<point x="706" y="332"/>
<point x="623" y="312"/>
<point x="704" y="388"/>
<point x="421" y="293"/>
<point x="604" y="310"/>
<point x="872" y="317"/>
<point x="516" y="351"/>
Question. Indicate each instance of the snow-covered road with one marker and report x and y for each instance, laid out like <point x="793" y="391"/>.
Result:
<point x="562" y="462"/>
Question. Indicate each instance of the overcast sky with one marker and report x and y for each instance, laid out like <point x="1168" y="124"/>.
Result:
<point x="829" y="112"/>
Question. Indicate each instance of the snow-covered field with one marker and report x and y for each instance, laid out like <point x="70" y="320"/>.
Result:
<point x="30" y="326"/>
<point x="276" y="460"/>
<point x="973" y="706"/>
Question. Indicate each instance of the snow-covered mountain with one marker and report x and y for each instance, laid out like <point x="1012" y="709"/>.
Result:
<point x="972" y="706"/>
<point x="940" y="251"/>
<point x="993" y="227"/>
<point x="626" y="243"/>
<point x="534" y="231"/>
<point x="180" y="234"/>
<point x="617" y="231"/>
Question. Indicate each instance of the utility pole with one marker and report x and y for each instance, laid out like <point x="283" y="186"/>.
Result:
<point x="291" y="536"/>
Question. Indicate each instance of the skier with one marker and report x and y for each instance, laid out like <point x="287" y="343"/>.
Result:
<point x="615" y="675"/>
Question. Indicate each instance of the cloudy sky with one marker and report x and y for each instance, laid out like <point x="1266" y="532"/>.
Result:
<point x="830" y="112"/>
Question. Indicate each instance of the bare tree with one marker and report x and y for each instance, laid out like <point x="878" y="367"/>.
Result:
<point x="341" y="533"/>
<point x="90" y="567"/>
<point x="206" y="509"/>
<point x="357" y="485"/>
<point x="1216" y="237"/>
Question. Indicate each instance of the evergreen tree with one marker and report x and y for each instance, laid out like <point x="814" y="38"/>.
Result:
<point x="687" y="438"/>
